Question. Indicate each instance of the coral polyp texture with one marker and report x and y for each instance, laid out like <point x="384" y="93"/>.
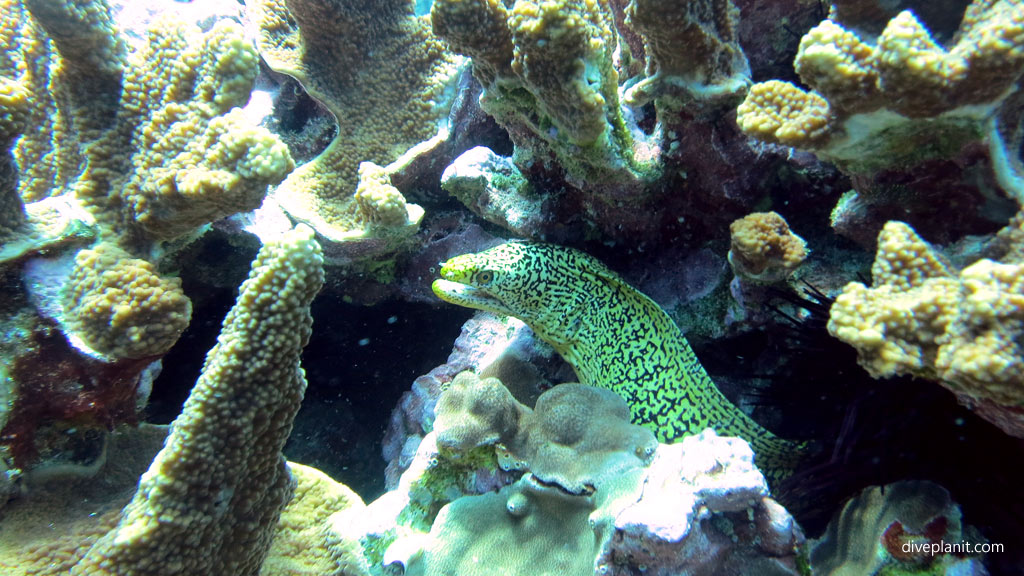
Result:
<point x="694" y="59"/>
<point x="146" y="138"/>
<point x="914" y="121"/>
<point x="120" y="307"/>
<point x="211" y="499"/>
<point x="607" y="103"/>
<point x="13" y="119"/>
<point x="131" y="143"/>
<point x="871" y="98"/>
<point x="923" y="317"/>
<point x="388" y="81"/>
<point x="763" y="248"/>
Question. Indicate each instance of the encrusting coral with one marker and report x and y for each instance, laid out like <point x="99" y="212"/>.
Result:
<point x="593" y="493"/>
<point x="763" y="248"/>
<point x="387" y="80"/>
<point x="211" y="499"/>
<point x="923" y="317"/>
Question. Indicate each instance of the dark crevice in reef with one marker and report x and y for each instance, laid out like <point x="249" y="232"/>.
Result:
<point x="870" y="432"/>
<point x="358" y="363"/>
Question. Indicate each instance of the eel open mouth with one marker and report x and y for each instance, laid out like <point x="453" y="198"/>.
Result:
<point x="468" y="295"/>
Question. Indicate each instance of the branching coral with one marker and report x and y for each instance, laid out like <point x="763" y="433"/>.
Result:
<point x="212" y="497"/>
<point x="871" y="99"/>
<point x="611" y="105"/>
<point x="387" y="80"/>
<point x="694" y="57"/>
<point x="923" y="318"/>
<point x="147" y="139"/>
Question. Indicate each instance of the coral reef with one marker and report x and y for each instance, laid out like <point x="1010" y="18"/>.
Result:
<point x="165" y="151"/>
<point x="491" y="345"/>
<point x="763" y="249"/>
<point x="213" y="495"/>
<point x="596" y="495"/>
<point x="925" y="318"/>
<point x="890" y="530"/>
<point x="131" y="143"/>
<point x="494" y="189"/>
<point x="905" y="116"/>
<point x="552" y="74"/>
<point x="119" y="306"/>
<point x="389" y="83"/>
<point x="434" y="136"/>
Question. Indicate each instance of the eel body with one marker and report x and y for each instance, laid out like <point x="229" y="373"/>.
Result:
<point x="612" y="335"/>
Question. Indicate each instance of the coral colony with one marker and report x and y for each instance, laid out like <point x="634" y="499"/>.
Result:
<point x="742" y="284"/>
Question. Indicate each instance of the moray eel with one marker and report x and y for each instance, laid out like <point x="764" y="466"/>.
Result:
<point x="613" y="336"/>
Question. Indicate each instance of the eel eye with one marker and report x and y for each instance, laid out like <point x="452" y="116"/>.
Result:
<point x="484" y="276"/>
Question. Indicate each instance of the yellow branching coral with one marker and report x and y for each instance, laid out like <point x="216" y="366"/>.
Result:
<point x="763" y="248"/>
<point x="554" y="42"/>
<point x="896" y="325"/>
<point x="983" y="348"/>
<point x="780" y="112"/>
<point x="118" y="305"/>
<point x="380" y="203"/>
<point x="384" y="76"/>
<point x="199" y="159"/>
<point x="923" y="318"/>
<point x="693" y="52"/>
<point x="145" y="138"/>
<point x="479" y="29"/>
<point x="872" y="92"/>
<point x="548" y="73"/>
<point x="211" y="499"/>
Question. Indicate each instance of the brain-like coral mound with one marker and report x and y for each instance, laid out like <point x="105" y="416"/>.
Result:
<point x="120" y="307"/>
<point x="594" y="495"/>
<point x="763" y="248"/>
<point x="476" y="412"/>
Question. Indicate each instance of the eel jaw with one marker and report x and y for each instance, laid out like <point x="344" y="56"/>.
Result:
<point x="468" y="296"/>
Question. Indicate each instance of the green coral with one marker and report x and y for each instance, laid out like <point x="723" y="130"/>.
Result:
<point x="158" y="146"/>
<point x="895" y="100"/>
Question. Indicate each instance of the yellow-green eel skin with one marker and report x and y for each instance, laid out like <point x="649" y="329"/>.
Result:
<point x="613" y="336"/>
